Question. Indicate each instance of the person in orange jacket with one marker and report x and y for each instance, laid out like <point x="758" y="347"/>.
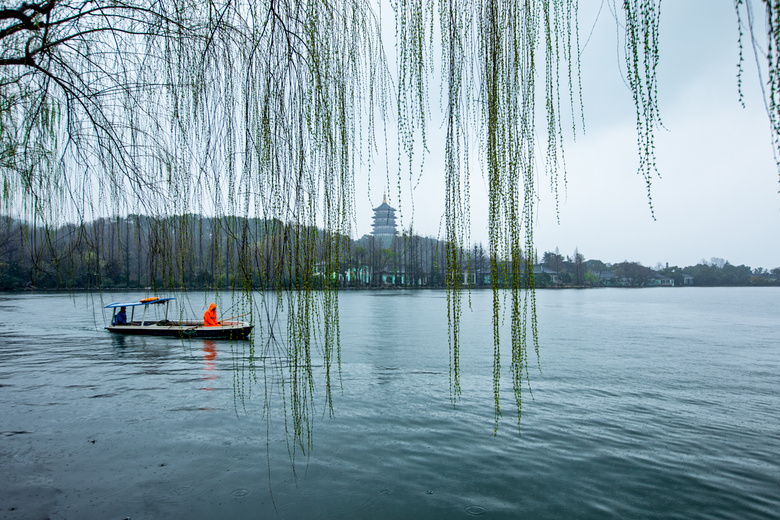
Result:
<point x="210" y="316"/>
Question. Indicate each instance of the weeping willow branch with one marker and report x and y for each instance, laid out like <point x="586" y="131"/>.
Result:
<point x="251" y="112"/>
<point x="489" y="69"/>
<point x="642" y="34"/>
<point x="767" y="62"/>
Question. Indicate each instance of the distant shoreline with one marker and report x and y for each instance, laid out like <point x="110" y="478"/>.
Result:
<point x="348" y="289"/>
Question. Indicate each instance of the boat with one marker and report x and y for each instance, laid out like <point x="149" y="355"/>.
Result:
<point x="162" y="326"/>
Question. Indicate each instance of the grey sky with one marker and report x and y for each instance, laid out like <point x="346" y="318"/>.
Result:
<point x="718" y="195"/>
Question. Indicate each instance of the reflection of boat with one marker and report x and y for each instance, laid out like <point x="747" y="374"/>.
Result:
<point x="161" y="326"/>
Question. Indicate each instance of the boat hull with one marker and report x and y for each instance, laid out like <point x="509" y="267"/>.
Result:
<point x="238" y="330"/>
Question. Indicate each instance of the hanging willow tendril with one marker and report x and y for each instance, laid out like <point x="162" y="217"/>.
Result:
<point x="489" y="68"/>
<point x="767" y="62"/>
<point x="455" y="19"/>
<point x="642" y="34"/>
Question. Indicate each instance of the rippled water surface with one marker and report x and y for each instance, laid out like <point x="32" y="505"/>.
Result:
<point x="655" y="403"/>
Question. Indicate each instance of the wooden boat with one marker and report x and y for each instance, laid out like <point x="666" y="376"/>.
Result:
<point x="158" y="323"/>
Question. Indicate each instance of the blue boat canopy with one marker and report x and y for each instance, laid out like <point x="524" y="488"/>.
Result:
<point x="145" y="301"/>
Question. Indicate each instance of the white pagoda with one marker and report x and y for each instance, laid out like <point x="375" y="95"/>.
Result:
<point x="383" y="226"/>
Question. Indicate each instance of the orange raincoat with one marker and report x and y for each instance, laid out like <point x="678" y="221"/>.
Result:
<point x="210" y="316"/>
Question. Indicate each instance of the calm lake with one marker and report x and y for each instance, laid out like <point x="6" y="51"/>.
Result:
<point x="650" y="403"/>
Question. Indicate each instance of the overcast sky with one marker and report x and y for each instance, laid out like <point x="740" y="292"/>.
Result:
<point x="718" y="195"/>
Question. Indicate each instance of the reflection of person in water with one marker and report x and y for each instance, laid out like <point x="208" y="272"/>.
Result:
<point x="209" y="355"/>
<point x="121" y="317"/>
<point x="210" y="316"/>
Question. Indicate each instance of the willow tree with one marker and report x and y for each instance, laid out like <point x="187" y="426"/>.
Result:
<point x="269" y="109"/>
<point x="233" y="109"/>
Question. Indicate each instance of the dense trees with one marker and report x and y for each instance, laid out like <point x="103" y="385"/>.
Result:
<point x="633" y="274"/>
<point x="725" y="274"/>
<point x="129" y="257"/>
<point x="132" y="253"/>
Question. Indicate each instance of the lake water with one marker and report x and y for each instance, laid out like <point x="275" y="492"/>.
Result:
<point x="651" y="403"/>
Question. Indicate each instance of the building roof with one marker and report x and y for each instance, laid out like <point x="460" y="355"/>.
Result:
<point x="384" y="207"/>
<point x="539" y="268"/>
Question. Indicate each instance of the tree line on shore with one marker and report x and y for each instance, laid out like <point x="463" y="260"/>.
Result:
<point x="197" y="252"/>
<point x="574" y="271"/>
